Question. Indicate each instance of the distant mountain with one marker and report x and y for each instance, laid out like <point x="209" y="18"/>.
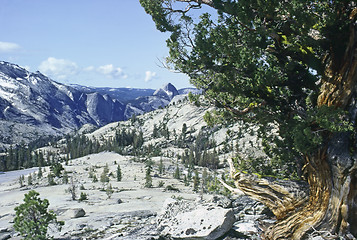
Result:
<point x="160" y="98"/>
<point x="122" y="94"/>
<point x="33" y="105"/>
<point x="167" y="92"/>
<point x="34" y="100"/>
<point x="139" y="101"/>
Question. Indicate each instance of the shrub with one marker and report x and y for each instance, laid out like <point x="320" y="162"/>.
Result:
<point x="83" y="197"/>
<point x="172" y="188"/>
<point x="161" y="184"/>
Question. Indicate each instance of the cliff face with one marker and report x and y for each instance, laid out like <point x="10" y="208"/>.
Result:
<point x="33" y="105"/>
<point x="32" y="100"/>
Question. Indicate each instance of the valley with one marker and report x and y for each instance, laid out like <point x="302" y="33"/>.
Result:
<point x="34" y="106"/>
<point x="187" y="159"/>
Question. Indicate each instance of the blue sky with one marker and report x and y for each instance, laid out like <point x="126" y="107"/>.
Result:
<point x="109" y="43"/>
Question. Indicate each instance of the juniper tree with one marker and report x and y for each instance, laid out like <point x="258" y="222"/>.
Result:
<point x="289" y="67"/>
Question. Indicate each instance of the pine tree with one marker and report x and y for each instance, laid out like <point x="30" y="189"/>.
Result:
<point x="119" y="175"/>
<point x="104" y="176"/>
<point x="65" y="177"/>
<point x="161" y="166"/>
<point x="177" y="172"/>
<point x="204" y="179"/>
<point x="32" y="217"/>
<point x="73" y="189"/>
<point x="21" y="180"/>
<point x="83" y="197"/>
<point x="196" y="181"/>
<point x="148" y="178"/>
<point x="39" y="174"/>
<point x="95" y="179"/>
<point x="50" y="179"/>
<point x="29" y="180"/>
<point x="109" y="191"/>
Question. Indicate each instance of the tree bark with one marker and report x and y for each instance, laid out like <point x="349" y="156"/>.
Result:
<point x="328" y="207"/>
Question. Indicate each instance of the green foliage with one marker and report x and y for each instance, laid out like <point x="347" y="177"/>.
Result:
<point x="65" y="177"/>
<point x="119" y="175"/>
<point x="172" y="188"/>
<point x="24" y="155"/>
<point x="51" y="179"/>
<point x="104" y="177"/>
<point x="161" y="184"/>
<point x="73" y="189"/>
<point x="161" y="166"/>
<point x="194" y="98"/>
<point x="177" y="173"/>
<point x="196" y="181"/>
<point x="184" y="128"/>
<point x="148" y="178"/>
<point x="95" y="179"/>
<point x="22" y="180"/>
<point x="29" y="180"/>
<point x="32" y="217"/>
<point x="262" y="62"/>
<point x="56" y="169"/>
<point x="109" y="191"/>
<point x="39" y="174"/>
<point x="83" y="197"/>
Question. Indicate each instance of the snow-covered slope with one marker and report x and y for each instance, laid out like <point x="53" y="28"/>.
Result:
<point x="34" y="100"/>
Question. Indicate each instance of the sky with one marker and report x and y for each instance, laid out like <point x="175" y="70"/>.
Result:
<point x="100" y="43"/>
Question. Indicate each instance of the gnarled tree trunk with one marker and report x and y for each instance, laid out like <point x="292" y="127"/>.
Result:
<point x="329" y="204"/>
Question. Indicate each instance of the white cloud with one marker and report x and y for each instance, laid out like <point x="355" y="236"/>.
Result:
<point x="111" y="71"/>
<point x="89" y="69"/>
<point x="8" y="46"/>
<point x="62" y="69"/>
<point x="58" y="68"/>
<point x="149" y="76"/>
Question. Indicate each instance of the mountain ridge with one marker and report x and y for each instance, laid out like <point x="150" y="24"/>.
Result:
<point x="32" y="100"/>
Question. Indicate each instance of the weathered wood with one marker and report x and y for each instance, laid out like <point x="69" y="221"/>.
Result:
<point x="339" y="80"/>
<point x="329" y="204"/>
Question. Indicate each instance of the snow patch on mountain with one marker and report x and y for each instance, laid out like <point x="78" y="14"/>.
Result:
<point x="33" y="99"/>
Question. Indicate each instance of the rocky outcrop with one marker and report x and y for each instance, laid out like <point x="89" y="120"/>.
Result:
<point x="187" y="220"/>
<point x="167" y="92"/>
<point x="251" y="216"/>
<point x="76" y="213"/>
